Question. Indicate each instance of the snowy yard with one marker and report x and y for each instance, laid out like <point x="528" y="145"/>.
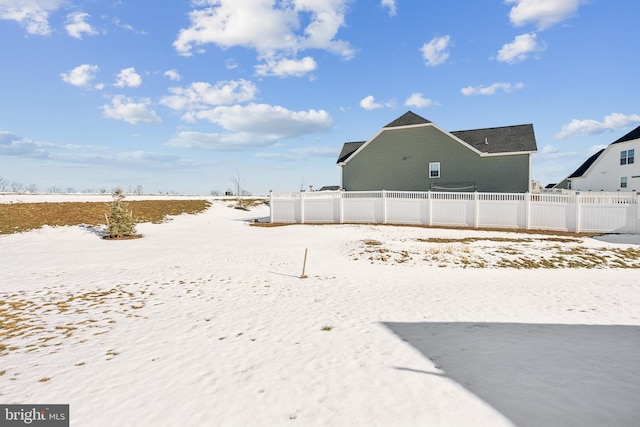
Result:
<point x="206" y="321"/>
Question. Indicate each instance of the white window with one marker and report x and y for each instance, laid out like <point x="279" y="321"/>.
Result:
<point x="623" y="182"/>
<point x="627" y="157"/>
<point x="434" y="170"/>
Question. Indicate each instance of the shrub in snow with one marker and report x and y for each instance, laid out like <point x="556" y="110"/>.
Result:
<point x="120" y="223"/>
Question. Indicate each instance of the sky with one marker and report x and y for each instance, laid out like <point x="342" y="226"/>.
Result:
<point x="189" y="96"/>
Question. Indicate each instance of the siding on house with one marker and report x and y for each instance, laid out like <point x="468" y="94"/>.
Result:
<point x="603" y="171"/>
<point x="606" y="172"/>
<point x="398" y="159"/>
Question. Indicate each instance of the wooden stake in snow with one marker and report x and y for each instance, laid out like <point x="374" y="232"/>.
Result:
<point x="304" y="265"/>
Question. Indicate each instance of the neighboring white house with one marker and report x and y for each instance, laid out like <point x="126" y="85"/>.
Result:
<point x="614" y="168"/>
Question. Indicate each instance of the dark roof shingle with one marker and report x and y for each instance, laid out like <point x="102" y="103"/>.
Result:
<point x="583" y="167"/>
<point x="506" y="139"/>
<point x="348" y="149"/>
<point x="634" y="134"/>
<point x="407" y="119"/>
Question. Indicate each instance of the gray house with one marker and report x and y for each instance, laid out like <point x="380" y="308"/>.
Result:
<point x="413" y="154"/>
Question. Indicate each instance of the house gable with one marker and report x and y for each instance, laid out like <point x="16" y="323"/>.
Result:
<point x="404" y="155"/>
<point x="603" y="170"/>
<point x="506" y="140"/>
<point x="408" y="119"/>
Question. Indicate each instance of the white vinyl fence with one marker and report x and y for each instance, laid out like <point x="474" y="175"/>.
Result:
<point x="580" y="212"/>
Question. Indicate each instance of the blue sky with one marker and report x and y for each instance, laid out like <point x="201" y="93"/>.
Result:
<point x="180" y="96"/>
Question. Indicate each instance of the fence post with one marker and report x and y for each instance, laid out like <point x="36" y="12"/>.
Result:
<point x="637" y="217"/>
<point x="476" y="209"/>
<point x="384" y="206"/>
<point x="527" y="210"/>
<point x="429" y="208"/>
<point x="301" y="207"/>
<point x="271" y="206"/>
<point x="341" y="203"/>
<point x="578" y="218"/>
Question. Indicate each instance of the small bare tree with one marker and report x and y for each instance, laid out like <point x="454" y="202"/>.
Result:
<point x="16" y="187"/>
<point x="238" y="183"/>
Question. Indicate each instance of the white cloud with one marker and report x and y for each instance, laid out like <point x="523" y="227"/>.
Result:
<point x="435" y="52"/>
<point x="491" y="90"/>
<point x="550" y="152"/>
<point x="297" y="154"/>
<point x="18" y="146"/>
<point x="520" y="49"/>
<point x="262" y="120"/>
<point x="200" y="95"/>
<point x="594" y="149"/>
<point x="391" y="4"/>
<point x="173" y="75"/>
<point x="417" y="100"/>
<point x="267" y="28"/>
<point x="230" y="64"/>
<point x="76" y="25"/>
<point x="543" y="13"/>
<point x="14" y="145"/>
<point x="128" y="78"/>
<point x="219" y="141"/>
<point x="81" y="76"/>
<point x="613" y="121"/>
<point x="118" y="23"/>
<point x="287" y="67"/>
<point x="369" y="103"/>
<point x="33" y="15"/>
<point x="123" y="108"/>
<point x="251" y="126"/>
<point x="305" y="152"/>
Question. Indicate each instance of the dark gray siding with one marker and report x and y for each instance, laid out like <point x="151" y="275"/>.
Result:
<point x="398" y="159"/>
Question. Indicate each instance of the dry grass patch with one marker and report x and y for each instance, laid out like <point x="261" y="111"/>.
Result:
<point x="49" y="319"/>
<point x="548" y="252"/>
<point x="19" y="217"/>
<point x="499" y="240"/>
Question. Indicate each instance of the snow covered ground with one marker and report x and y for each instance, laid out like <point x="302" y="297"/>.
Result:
<point x="206" y="321"/>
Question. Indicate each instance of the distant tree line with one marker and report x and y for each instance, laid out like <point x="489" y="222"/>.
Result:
<point x="7" y="186"/>
<point x="16" y="187"/>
